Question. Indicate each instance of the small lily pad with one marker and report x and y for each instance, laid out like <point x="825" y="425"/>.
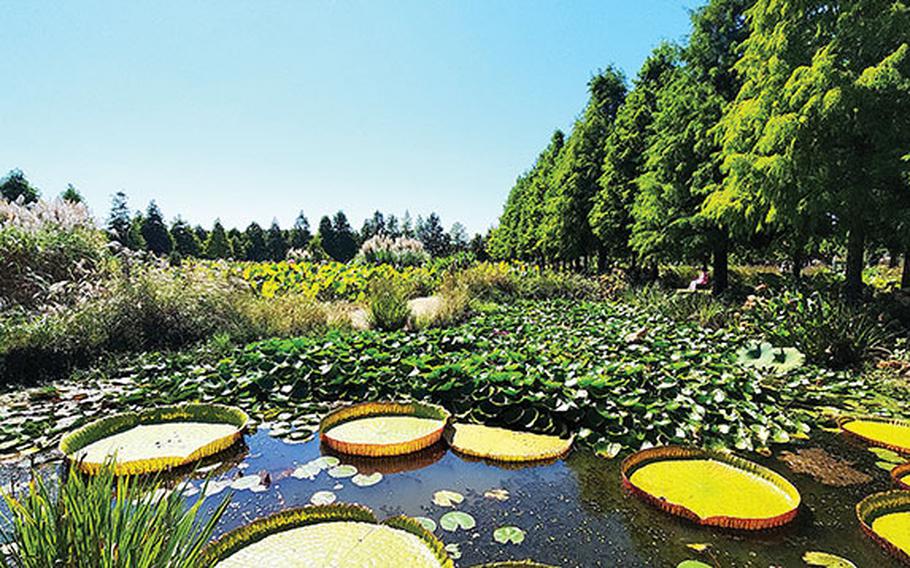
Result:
<point x="454" y="520"/>
<point x="693" y="564"/>
<point x="446" y="498"/>
<point x="454" y="551"/>
<point x="827" y="560"/>
<point x="507" y="534"/>
<point x="326" y="462"/>
<point x="342" y="471"/>
<point x="497" y="494"/>
<point x="306" y="471"/>
<point x="361" y="480"/>
<point x="427" y="523"/>
<point x="246" y="482"/>
<point x="884" y="454"/>
<point x="323" y="498"/>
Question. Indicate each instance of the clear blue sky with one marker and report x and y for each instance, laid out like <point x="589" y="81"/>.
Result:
<point x="255" y="110"/>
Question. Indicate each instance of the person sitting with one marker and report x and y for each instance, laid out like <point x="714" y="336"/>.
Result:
<point x="700" y="281"/>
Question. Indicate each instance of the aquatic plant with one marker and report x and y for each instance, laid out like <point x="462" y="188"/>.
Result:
<point x="500" y="444"/>
<point x="318" y="534"/>
<point x="149" y="441"/>
<point x="887" y="433"/>
<point x="711" y="488"/>
<point x="885" y="517"/>
<point x="105" y="520"/>
<point x="383" y="428"/>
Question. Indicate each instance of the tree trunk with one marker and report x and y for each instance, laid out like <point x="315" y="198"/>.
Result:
<point x="797" y="268"/>
<point x="905" y="273"/>
<point x="721" y="255"/>
<point x="856" y="248"/>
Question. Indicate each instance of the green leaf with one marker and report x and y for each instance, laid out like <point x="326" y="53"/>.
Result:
<point x="827" y="560"/>
<point x="507" y="534"/>
<point x="453" y="520"/>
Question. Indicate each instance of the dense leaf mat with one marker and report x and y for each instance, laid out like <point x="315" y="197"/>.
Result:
<point x="348" y="544"/>
<point x="505" y="445"/>
<point x="712" y="489"/>
<point x="891" y="434"/>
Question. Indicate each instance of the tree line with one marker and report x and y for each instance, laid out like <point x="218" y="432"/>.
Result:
<point x="334" y="237"/>
<point x="780" y="129"/>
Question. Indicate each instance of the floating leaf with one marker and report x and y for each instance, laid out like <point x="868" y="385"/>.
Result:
<point x="362" y="480"/>
<point x="453" y="520"/>
<point x="383" y="428"/>
<point x="693" y="564"/>
<point x="827" y="560"/>
<point x="886" y="518"/>
<point x="342" y="471"/>
<point x="699" y="546"/>
<point x="324" y="535"/>
<point x="306" y="471"/>
<point x="890" y="434"/>
<point x="446" y="498"/>
<point x="506" y="445"/>
<point x="497" y="494"/>
<point x="711" y="488"/>
<point x="884" y="454"/>
<point x="323" y="498"/>
<point x="607" y="450"/>
<point x="427" y="523"/>
<point x="454" y="551"/>
<point x="507" y="534"/>
<point x="154" y="440"/>
<point x="326" y="462"/>
<point x="246" y="482"/>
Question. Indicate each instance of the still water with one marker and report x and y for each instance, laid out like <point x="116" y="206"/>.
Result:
<point x="574" y="511"/>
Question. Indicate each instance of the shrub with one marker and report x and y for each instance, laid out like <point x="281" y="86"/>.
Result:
<point x="827" y="330"/>
<point x="388" y="303"/>
<point x="398" y="252"/>
<point x="101" y="520"/>
<point x="702" y="309"/>
<point x="50" y="252"/>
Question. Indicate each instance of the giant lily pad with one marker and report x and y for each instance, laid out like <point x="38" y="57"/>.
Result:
<point x="500" y="444"/>
<point x="330" y="535"/>
<point x="883" y="432"/>
<point x="901" y="475"/>
<point x="885" y="517"/>
<point x="383" y="428"/>
<point x="766" y="357"/>
<point x="711" y="488"/>
<point x="155" y="440"/>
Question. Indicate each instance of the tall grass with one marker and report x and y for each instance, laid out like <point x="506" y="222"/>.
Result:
<point x="105" y="521"/>
<point x="388" y="303"/>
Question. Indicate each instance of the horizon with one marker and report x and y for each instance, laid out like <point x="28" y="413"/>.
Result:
<point x="316" y="107"/>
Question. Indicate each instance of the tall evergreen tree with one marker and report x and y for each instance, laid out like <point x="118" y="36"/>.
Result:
<point x="15" y="186"/>
<point x="574" y="181"/>
<point x="326" y="236"/>
<point x="255" y="243"/>
<point x="120" y="220"/>
<point x="157" y="238"/>
<point x="345" y="244"/>
<point x="186" y="243"/>
<point x="218" y="246"/>
<point x="407" y="228"/>
<point x="276" y="243"/>
<point x="72" y="194"/>
<point x="611" y="211"/>
<point x="300" y="234"/>
<point x="819" y="129"/>
<point x="431" y="233"/>
<point x="134" y="239"/>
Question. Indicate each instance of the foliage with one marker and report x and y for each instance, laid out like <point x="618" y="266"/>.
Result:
<point x="49" y="252"/>
<point x="14" y="187"/>
<point x="154" y="231"/>
<point x="331" y="280"/>
<point x="399" y="252"/>
<point x="388" y="304"/>
<point x="828" y="331"/>
<point x="79" y="526"/>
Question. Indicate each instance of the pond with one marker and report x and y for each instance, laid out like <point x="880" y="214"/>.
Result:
<point x="574" y="512"/>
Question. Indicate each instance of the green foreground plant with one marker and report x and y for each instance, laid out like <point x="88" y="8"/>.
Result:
<point x="388" y="304"/>
<point x="103" y="521"/>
